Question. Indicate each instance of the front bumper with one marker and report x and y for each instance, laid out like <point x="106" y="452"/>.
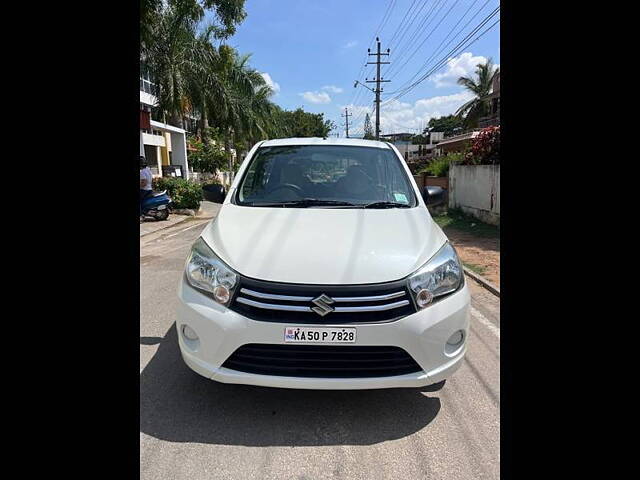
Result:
<point x="422" y="335"/>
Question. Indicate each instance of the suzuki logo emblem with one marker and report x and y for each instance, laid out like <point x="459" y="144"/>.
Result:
<point x="323" y="303"/>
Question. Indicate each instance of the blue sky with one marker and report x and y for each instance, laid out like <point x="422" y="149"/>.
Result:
<point x="313" y="51"/>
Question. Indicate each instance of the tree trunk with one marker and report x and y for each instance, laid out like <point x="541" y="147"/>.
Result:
<point x="176" y="120"/>
<point x="204" y="125"/>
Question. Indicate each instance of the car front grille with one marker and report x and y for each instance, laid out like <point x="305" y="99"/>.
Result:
<point x="322" y="361"/>
<point x="322" y="304"/>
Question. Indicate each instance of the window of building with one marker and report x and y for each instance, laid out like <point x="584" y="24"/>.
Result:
<point x="146" y="85"/>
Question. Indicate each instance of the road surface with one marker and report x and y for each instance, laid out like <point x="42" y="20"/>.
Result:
<point x="193" y="428"/>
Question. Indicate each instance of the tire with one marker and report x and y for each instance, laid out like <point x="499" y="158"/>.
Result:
<point x="162" y="214"/>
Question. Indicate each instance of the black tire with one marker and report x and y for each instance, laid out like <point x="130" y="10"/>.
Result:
<point x="162" y="214"/>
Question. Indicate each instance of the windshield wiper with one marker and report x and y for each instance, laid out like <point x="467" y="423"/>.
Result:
<point x="305" y="202"/>
<point x="385" y="205"/>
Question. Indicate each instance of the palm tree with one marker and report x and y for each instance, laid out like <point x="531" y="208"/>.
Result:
<point x="216" y="85"/>
<point x="480" y="87"/>
<point x="176" y="61"/>
<point x="188" y="69"/>
<point x="244" y="110"/>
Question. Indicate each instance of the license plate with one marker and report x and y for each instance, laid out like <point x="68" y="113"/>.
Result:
<point x="162" y="207"/>
<point x="319" y="335"/>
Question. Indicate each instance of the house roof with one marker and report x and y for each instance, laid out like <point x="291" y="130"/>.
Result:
<point x="166" y="126"/>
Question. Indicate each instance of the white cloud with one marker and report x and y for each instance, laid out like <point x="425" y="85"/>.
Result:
<point x="397" y="116"/>
<point x="316" y="97"/>
<point x="350" y="44"/>
<point x="463" y="66"/>
<point x="333" y="89"/>
<point x="274" y="86"/>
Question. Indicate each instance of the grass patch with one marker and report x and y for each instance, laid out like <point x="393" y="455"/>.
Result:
<point x="479" y="269"/>
<point x="458" y="220"/>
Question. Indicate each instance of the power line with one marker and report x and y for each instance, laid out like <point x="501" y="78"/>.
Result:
<point x="414" y="17"/>
<point x="438" y="49"/>
<point x="355" y="99"/>
<point x="410" y="41"/>
<point x="382" y="24"/>
<point x="461" y="45"/>
<point x="402" y="22"/>
<point x="430" y="33"/>
<point x="439" y="65"/>
<point x="424" y="65"/>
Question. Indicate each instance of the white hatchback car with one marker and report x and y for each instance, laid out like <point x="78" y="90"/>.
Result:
<point x="323" y="270"/>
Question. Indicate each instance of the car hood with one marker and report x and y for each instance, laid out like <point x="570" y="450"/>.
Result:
<point x="323" y="245"/>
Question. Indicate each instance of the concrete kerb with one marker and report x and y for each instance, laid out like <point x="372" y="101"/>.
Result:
<point x="483" y="281"/>
<point x="190" y="214"/>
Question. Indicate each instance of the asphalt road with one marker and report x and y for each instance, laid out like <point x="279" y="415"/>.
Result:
<point x="193" y="428"/>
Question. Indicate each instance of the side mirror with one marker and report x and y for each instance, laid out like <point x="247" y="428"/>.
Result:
<point x="433" y="195"/>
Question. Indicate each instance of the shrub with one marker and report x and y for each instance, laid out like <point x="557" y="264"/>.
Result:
<point x="485" y="148"/>
<point x="183" y="193"/>
<point x="439" y="166"/>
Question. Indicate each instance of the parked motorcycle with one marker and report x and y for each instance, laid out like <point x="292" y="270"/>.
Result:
<point x="156" y="205"/>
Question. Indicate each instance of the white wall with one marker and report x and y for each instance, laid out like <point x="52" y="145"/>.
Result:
<point x="179" y="152"/>
<point x="157" y="140"/>
<point x="476" y="190"/>
<point x="436" y="136"/>
<point x="148" y="99"/>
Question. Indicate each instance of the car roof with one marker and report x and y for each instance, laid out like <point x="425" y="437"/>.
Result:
<point x="354" y="142"/>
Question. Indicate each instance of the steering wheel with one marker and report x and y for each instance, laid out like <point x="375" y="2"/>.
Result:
<point x="289" y="186"/>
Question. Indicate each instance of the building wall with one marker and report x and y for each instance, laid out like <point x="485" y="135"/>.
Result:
<point x="179" y="152"/>
<point x="436" y="137"/>
<point x="476" y="190"/>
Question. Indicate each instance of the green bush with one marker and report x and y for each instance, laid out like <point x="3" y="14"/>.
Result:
<point x="207" y="157"/>
<point x="183" y="193"/>
<point x="439" y="166"/>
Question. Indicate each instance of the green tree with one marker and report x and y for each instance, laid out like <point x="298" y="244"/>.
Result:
<point x="195" y="78"/>
<point x="214" y="84"/>
<point x="210" y="156"/>
<point x="368" y="129"/>
<point x="448" y="124"/>
<point x="480" y="86"/>
<point x="299" y="123"/>
<point x="226" y="15"/>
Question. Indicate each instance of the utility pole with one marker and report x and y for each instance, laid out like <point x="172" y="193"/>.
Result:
<point x="347" y="115"/>
<point x="377" y="81"/>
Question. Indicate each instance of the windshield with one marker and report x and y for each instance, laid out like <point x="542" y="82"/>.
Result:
<point x="330" y="176"/>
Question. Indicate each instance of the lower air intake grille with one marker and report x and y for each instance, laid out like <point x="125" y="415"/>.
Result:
<point x="322" y="361"/>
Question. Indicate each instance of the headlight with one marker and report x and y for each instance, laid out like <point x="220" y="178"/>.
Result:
<point x="207" y="272"/>
<point x="441" y="275"/>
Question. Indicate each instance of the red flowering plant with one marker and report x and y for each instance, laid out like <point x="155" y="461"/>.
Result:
<point x="485" y="148"/>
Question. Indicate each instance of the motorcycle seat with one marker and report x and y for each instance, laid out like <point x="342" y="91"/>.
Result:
<point x="157" y="194"/>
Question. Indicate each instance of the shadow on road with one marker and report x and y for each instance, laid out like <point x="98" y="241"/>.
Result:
<point x="178" y="405"/>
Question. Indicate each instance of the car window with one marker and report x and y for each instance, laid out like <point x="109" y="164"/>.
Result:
<point x="331" y="173"/>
